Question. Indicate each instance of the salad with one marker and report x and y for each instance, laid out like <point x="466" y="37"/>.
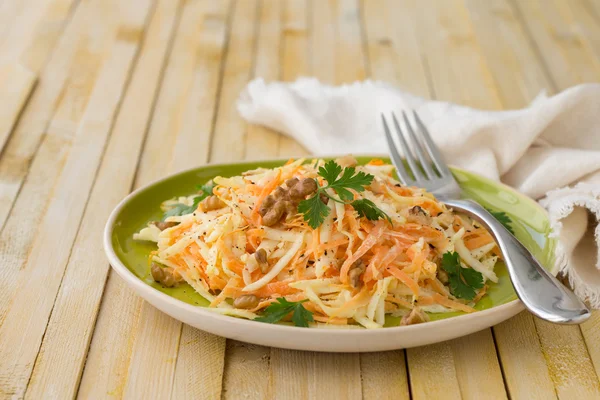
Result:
<point x="322" y="242"/>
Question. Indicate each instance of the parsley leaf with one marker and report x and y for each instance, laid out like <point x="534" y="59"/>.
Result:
<point x="275" y="312"/>
<point x="314" y="210"/>
<point x="463" y="281"/>
<point x="350" y="179"/>
<point x="503" y="219"/>
<point x="330" y="171"/>
<point x="182" y="209"/>
<point x="366" y="208"/>
<point x="207" y="189"/>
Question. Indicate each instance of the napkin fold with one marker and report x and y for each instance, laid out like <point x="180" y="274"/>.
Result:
<point x="550" y="151"/>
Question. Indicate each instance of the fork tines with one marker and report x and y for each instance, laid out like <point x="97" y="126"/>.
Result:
<point x="413" y="144"/>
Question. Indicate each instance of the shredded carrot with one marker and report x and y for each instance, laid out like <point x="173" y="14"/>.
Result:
<point x="444" y="301"/>
<point x="233" y="263"/>
<point x="478" y="241"/>
<point x="438" y="286"/>
<point x="404" y="278"/>
<point x="281" y="288"/>
<point x="400" y="302"/>
<point x="376" y="161"/>
<point x="265" y="192"/>
<point x="481" y="293"/>
<point x="208" y="249"/>
<point x="366" y="245"/>
<point x="331" y="320"/>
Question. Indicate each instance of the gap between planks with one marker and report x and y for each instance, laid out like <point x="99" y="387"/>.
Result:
<point x="87" y="266"/>
<point x="151" y="356"/>
<point x="43" y="270"/>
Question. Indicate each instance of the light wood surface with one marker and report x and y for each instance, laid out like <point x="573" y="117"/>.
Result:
<point x="103" y="96"/>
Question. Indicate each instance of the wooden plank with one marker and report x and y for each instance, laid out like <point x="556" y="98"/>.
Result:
<point x="450" y="55"/>
<point x="506" y="47"/>
<point x="260" y="141"/>
<point x="26" y="136"/>
<point x="458" y="71"/>
<point x="393" y="47"/>
<point x="564" y="49"/>
<point x="292" y="374"/>
<point x="246" y="372"/>
<point x="483" y="378"/>
<point x="252" y="51"/>
<point x="144" y="353"/>
<point x="18" y="31"/>
<point x="432" y="372"/>
<point x="591" y="333"/>
<point x="566" y="41"/>
<point x="393" y="54"/>
<point x="521" y="78"/>
<point x="9" y="12"/>
<point x="568" y="361"/>
<point x="154" y="352"/>
<point x="295" y="57"/>
<point x="26" y="215"/>
<point x="39" y="280"/>
<point x="586" y="18"/>
<point x="309" y="375"/>
<point x="384" y="375"/>
<point x="323" y="375"/>
<point x="201" y="356"/>
<point x="248" y="365"/>
<point x="26" y="32"/>
<point x="350" y="61"/>
<point x="64" y="349"/>
<point x="16" y="83"/>
<point x="230" y="133"/>
<point x="105" y="371"/>
<point x="44" y="35"/>
<point x="525" y="370"/>
<point x="200" y="364"/>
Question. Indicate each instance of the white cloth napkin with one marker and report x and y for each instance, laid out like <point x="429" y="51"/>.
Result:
<point x="549" y="151"/>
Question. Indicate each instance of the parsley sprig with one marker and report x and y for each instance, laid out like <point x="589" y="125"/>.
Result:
<point x="503" y="219"/>
<point x="275" y="312"/>
<point x="342" y="180"/>
<point x="463" y="281"/>
<point x="182" y="209"/>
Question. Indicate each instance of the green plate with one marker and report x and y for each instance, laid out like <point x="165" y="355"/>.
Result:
<point x="529" y="222"/>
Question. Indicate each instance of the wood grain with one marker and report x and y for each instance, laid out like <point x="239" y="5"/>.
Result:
<point x="42" y="272"/>
<point x="393" y="47"/>
<point x="62" y="356"/>
<point x="432" y="372"/>
<point x="384" y="375"/>
<point x="185" y="73"/>
<point x="295" y="59"/>
<point x="25" y="139"/>
<point x="457" y="73"/>
<point x="568" y="53"/>
<point x="16" y="83"/>
<point x="32" y="35"/>
<point x="246" y="366"/>
<point x="192" y="131"/>
<point x="318" y="374"/>
<point x="230" y="131"/>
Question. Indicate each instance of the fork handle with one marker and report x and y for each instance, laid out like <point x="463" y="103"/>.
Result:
<point x="541" y="292"/>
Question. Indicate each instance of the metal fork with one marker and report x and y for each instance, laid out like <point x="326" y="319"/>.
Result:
<point x="539" y="291"/>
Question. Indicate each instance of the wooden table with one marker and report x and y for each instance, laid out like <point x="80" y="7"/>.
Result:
<point x="102" y="96"/>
